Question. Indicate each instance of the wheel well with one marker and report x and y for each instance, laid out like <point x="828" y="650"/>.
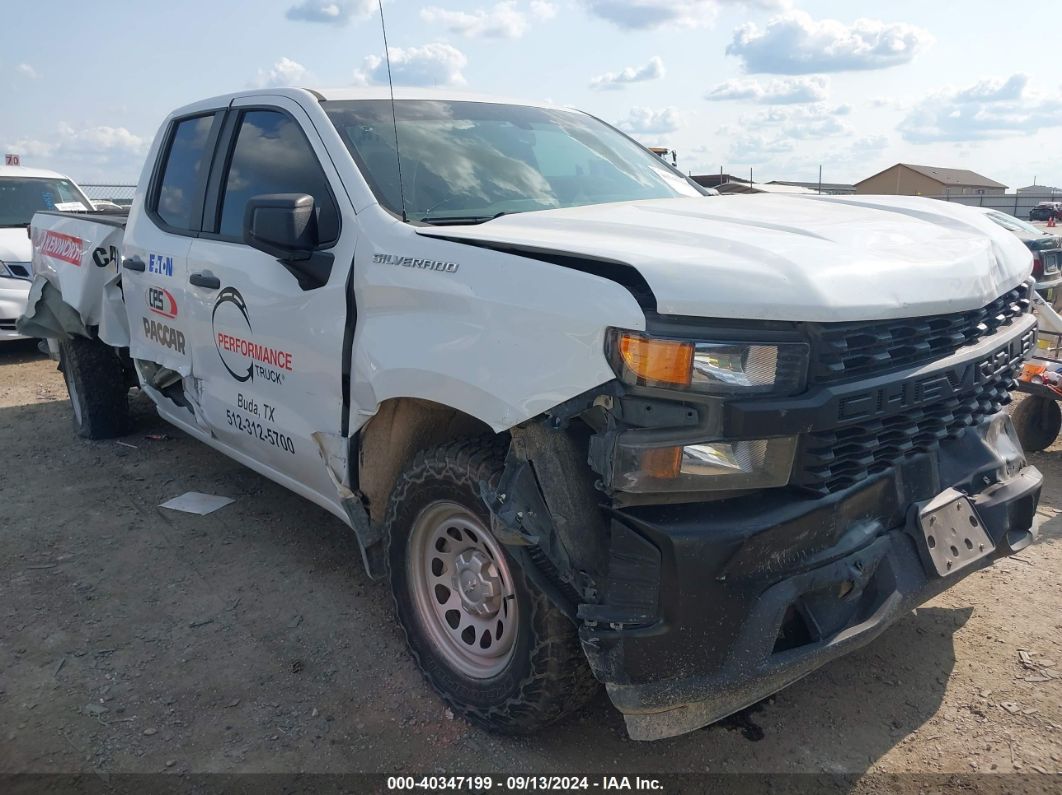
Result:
<point x="399" y="430"/>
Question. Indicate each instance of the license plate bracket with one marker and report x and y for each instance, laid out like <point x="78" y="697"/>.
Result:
<point x="954" y="534"/>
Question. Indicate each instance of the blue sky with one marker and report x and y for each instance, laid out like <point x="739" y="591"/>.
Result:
<point x="780" y="86"/>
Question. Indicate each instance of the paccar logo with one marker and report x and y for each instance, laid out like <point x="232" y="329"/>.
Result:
<point x="161" y="302"/>
<point x="242" y="357"/>
<point x="166" y="336"/>
<point x="60" y="246"/>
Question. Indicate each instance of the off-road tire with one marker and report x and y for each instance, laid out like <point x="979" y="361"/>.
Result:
<point x="1037" y="421"/>
<point x="98" y="388"/>
<point x="547" y="677"/>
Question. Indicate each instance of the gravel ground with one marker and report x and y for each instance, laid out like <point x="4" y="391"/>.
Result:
<point x="138" y="640"/>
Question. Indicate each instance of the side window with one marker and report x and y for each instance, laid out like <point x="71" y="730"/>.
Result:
<point x="184" y="173"/>
<point x="272" y="155"/>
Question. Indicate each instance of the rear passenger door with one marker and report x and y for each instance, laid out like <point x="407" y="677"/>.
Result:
<point x="156" y="246"/>
<point x="267" y="351"/>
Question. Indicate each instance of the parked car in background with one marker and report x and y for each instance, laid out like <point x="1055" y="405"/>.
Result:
<point x="1045" y="211"/>
<point x="24" y="191"/>
<point x="1045" y="247"/>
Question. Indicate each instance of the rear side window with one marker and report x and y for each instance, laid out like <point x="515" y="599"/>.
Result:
<point x="184" y="173"/>
<point x="272" y="155"/>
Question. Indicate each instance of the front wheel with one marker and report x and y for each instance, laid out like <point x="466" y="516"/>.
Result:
<point x="492" y="644"/>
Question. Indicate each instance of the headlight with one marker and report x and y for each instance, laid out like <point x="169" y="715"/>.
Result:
<point x="709" y="466"/>
<point x="716" y="368"/>
<point x="727" y="369"/>
<point x="3" y="269"/>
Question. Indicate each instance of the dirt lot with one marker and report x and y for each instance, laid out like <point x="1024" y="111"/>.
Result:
<point x="134" y="639"/>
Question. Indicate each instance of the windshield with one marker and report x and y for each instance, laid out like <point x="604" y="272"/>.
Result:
<point x="466" y="162"/>
<point x="21" y="197"/>
<point x="1014" y="224"/>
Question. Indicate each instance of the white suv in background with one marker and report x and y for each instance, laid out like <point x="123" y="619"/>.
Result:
<point x="24" y="191"/>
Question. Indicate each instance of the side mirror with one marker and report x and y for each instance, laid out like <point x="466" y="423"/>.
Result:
<point x="283" y="225"/>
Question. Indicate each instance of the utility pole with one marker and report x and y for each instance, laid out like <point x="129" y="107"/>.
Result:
<point x="820" y="178"/>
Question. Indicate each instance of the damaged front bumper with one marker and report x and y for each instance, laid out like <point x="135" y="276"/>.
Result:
<point x="743" y="597"/>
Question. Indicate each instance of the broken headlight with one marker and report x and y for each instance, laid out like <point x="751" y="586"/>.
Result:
<point x="708" y="466"/>
<point x="715" y="368"/>
<point x="727" y="370"/>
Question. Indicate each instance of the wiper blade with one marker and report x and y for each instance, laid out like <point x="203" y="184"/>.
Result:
<point x="456" y="220"/>
<point x="22" y="225"/>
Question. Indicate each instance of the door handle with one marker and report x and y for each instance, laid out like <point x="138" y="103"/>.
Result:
<point x="207" y="280"/>
<point x="134" y="264"/>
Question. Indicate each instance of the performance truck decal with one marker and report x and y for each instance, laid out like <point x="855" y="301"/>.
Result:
<point x="241" y="356"/>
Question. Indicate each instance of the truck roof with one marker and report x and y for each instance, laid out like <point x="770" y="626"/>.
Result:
<point x="364" y="92"/>
<point x="23" y="171"/>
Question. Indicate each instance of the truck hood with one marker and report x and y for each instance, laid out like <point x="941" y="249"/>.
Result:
<point x="803" y="258"/>
<point x="15" y="245"/>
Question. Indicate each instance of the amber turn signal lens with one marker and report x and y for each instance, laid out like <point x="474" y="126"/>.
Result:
<point x="656" y="361"/>
<point x="662" y="463"/>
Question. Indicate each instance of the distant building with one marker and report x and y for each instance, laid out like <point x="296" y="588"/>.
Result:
<point x="715" y="180"/>
<point x="1039" y="190"/>
<point x="904" y="179"/>
<point x="725" y="183"/>
<point x="832" y="188"/>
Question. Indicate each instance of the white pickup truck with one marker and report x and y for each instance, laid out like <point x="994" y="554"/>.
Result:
<point x="590" y="423"/>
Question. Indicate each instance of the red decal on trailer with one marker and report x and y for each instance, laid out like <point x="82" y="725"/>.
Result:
<point x="59" y="246"/>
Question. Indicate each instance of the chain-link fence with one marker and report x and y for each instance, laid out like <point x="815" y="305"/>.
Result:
<point x="119" y="194"/>
<point x="1016" y="204"/>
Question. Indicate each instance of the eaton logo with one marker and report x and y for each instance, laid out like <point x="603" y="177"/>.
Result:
<point x="157" y="263"/>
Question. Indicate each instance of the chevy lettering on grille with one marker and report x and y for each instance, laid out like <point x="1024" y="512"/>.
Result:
<point x="937" y="386"/>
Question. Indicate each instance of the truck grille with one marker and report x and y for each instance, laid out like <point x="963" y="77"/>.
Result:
<point x="846" y="351"/>
<point x="834" y="460"/>
<point x="7" y="324"/>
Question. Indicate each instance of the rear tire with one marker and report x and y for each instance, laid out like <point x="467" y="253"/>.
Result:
<point x="98" y="388"/>
<point x="1037" y="421"/>
<point x="490" y="643"/>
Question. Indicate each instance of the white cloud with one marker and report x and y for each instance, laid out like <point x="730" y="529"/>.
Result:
<point x="651" y="121"/>
<point x="86" y="153"/>
<point x="803" y="122"/>
<point x="502" y="21"/>
<point x="331" y="12"/>
<point x="755" y="148"/>
<point x="794" y="43"/>
<point x="27" y="71"/>
<point x="543" y="9"/>
<point x="653" y="70"/>
<point x="434" y="64"/>
<point x="648" y="14"/>
<point x="284" y="72"/>
<point x="996" y="108"/>
<point x="869" y="144"/>
<point x="782" y="91"/>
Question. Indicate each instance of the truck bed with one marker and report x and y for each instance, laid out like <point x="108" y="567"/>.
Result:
<point x="78" y="254"/>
